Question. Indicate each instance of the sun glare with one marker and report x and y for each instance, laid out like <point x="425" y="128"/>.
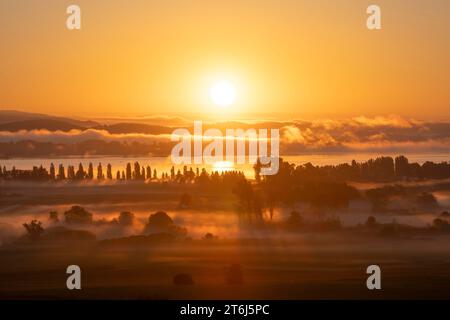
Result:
<point x="223" y="166"/>
<point x="223" y="94"/>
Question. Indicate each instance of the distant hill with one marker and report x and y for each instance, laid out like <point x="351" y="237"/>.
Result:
<point x="39" y="124"/>
<point x="13" y="121"/>
<point x="11" y="116"/>
<point x="135" y="128"/>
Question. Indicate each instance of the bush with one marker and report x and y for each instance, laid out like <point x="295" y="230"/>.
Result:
<point x="445" y="214"/>
<point x="160" y="222"/>
<point x="78" y="215"/>
<point x="294" y="220"/>
<point x="209" y="236"/>
<point x="183" y="279"/>
<point x="185" y="201"/>
<point x="34" y="229"/>
<point x="59" y="235"/>
<point x="371" y="222"/>
<point x="160" y="219"/>
<point x="53" y="216"/>
<point x="126" y="218"/>
<point x="426" y="200"/>
<point x="440" y="224"/>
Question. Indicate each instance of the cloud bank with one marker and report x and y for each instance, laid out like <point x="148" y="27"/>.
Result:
<point x="358" y="134"/>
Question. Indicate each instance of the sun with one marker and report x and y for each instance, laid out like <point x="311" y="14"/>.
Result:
<point x="223" y="93"/>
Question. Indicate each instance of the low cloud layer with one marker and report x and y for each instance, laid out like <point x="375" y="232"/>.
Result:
<point x="362" y="134"/>
<point x="73" y="136"/>
<point x="359" y="134"/>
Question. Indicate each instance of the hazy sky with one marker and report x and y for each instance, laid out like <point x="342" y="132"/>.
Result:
<point x="292" y="58"/>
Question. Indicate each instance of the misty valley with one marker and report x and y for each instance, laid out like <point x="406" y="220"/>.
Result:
<point x="195" y="233"/>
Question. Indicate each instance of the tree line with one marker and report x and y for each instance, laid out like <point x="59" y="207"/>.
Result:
<point x="381" y="169"/>
<point x="132" y="172"/>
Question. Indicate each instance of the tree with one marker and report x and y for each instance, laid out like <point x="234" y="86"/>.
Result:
<point x="109" y="171"/>
<point x="126" y="218"/>
<point x="71" y="172"/>
<point x="440" y="224"/>
<point x="61" y="174"/>
<point x="295" y="220"/>
<point x="371" y="222"/>
<point x="183" y="279"/>
<point x="90" y="174"/>
<point x="209" y="236"/>
<point x="257" y="169"/>
<point x="401" y="167"/>
<point x="78" y="215"/>
<point x="172" y="173"/>
<point x="160" y="219"/>
<point x="53" y="216"/>
<point x="100" y="174"/>
<point x="185" y="201"/>
<point x="128" y="171"/>
<point x="52" y="171"/>
<point x="249" y="202"/>
<point x="34" y="229"/>
<point x="137" y="171"/>
<point x="80" y="173"/>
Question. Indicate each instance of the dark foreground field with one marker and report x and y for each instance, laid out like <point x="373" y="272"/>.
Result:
<point x="274" y="264"/>
<point x="309" y="267"/>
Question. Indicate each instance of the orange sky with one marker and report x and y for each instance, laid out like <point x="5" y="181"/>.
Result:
<point x="291" y="58"/>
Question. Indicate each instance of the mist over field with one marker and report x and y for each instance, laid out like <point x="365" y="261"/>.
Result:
<point x="339" y="111"/>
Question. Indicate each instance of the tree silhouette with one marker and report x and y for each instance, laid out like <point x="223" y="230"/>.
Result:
<point x="80" y="173"/>
<point x="109" y="171"/>
<point x="90" y="173"/>
<point x="70" y="172"/>
<point x="128" y="171"/>
<point x="61" y="174"/>
<point x="52" y="171"/>
<point x="34" y="229"/>
<point x="53" y="216"/>
<point x="100" y="175"/>
<point x="78" y="215"/>
<point x="257" y="168"/>
<point x="126" y="218"/>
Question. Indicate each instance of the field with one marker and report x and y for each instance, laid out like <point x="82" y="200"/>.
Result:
<point x="272" y="264"/>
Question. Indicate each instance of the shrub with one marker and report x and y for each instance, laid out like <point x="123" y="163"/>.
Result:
<point x="209" y="236"/>
<point x="126" y="218"/>
<point x="295" y="219"/>
<point x="78" y="215"/>
<point x="185" y="201"/>
<point x="34" y="229"/>
<point x="371" y="222"/>
<point x="183" y="279"/>
<point x="440" y="223"/>
<point x="53" y="216"/>
<point x="160" y="219"/>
